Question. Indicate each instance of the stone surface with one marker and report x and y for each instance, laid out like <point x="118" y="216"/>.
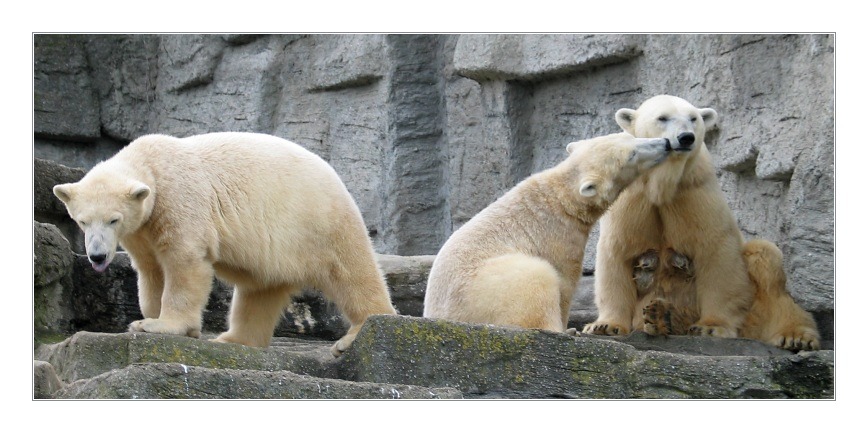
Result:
<point x="65" y="104"/>
<point x="163" y="381"/>
<point x="490" y="362"/>
<point x="52" y="281"/>
<point x="405" y="357"/>
<point x="45" y="380"/>
<point x="49" y="209"/>
<point x="407" y="278"/>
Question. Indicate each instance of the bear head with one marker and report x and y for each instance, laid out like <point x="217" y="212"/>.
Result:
<point x="106" y="207"/>
<point x="605" y="165"/>
<point x="669" y="117"/>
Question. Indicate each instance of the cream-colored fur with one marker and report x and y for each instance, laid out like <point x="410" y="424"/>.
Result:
<point x="258" y="211"/>
<point x="677" y="215"/>
<point x="518" y="262"/>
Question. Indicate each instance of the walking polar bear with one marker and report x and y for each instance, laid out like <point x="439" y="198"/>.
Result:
<point x="671" y="258"/>
<point x="258" y="211"/>
<point x="518" y="262"/>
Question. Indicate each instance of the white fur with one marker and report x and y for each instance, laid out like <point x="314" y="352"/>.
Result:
<point x="518" y="262"/>
<point x="261" y="212"/>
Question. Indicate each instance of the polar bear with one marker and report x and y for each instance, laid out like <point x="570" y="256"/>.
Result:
<point x="670" y="242"/>
<point x="519" y="260"/>
<point x="255" y="210"/>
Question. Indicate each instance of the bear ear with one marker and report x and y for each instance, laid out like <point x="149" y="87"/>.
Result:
<point x="709" y="117"/>
<point x="64" y="191"/>
<point x="571" y="147"/>
<point x="140" y="192"/>
<point x="626" y="118"/>
<point x="588" y="188"/>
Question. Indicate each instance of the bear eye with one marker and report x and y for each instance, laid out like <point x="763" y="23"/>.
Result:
<point x="113" y="221"/>
<point x="663" y="118"/>
<point x="693" y="119"/>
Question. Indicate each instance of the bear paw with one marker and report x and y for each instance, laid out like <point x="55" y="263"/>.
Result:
<point x="681" y="264"/>
<point x="164" y="326"/>
<point x="344" y="343"/>
<point x="602" y="328"/>
<point x="658" y="318"/>
<point x="644" y="268"/>
<point x="797" y="339"/>
<point x="712" y="331"/>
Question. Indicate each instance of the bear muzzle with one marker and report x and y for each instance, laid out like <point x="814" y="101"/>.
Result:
<point x="685" y="142"/>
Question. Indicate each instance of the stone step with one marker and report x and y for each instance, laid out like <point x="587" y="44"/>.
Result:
<point x="409" y="357"/>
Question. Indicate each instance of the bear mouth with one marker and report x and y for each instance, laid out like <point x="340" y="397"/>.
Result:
<point x="101" y="266"/>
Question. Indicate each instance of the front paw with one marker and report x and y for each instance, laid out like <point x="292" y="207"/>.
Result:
<point x="712" y="331"/>
<point x="797" y="339"/>
<point x="604" y="328"/>
<point x="164" y="326"/>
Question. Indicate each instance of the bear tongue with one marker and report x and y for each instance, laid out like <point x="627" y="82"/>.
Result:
<point x="100" y="267"/>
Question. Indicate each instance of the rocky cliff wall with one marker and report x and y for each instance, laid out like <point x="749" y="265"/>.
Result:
<point x="426" y="130"/>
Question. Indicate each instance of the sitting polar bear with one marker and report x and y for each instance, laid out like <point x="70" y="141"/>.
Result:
<point x="258" y="211"/>
<point x="671" y="258"/>
<point x="518" y="262"/>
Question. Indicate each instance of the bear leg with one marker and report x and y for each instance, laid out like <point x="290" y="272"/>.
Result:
<point x="357" y="296"/>
<point x="517" y="290"/>
<point x="150" y="285"/>
<point x="254" y="314"/>
<point x="775" y="318"/>
<point x="184" y="297"/>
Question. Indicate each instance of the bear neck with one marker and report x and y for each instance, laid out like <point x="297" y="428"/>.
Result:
<point x="662" y="184"/>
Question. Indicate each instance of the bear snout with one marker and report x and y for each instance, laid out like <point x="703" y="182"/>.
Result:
<point x="96" y="258"/>
<point x="685" y="141"/>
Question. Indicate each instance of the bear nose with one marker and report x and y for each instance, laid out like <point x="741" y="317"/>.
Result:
<point x="97" y="258"/>
<point x="686" y="139"/>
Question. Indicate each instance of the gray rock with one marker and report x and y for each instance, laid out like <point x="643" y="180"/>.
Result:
<point x="125" y="72"/>
<point x="404" y="357"/>
<point x="47" y="208"/>
<point x="52" y="281"/>
<point x="163" y="381"/>
<point x="45" y="381"/>
<point x="536" y="57"/>
<point x="494" y="362"/>
<point x="407" y="278"/>
<point x="88" y="354"/>
<point x="65" y="104"/>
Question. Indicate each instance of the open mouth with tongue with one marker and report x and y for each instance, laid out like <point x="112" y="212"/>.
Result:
<point x="99" y="262"/>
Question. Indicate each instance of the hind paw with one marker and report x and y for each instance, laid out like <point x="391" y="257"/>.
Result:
<point x="657" y="316"/>
<point x="712" y="331"/>
<point x="680" y="263"/>
<point x="644" y="268"/>
<point x="797" y="339"/>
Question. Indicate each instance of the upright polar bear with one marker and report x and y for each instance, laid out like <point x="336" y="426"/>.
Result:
<point x="518" y="262"/>
<point x="256" y="210"/>
<point x="671" y="258"/>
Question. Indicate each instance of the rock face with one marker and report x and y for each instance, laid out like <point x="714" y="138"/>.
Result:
<point x="426" y="130"/>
